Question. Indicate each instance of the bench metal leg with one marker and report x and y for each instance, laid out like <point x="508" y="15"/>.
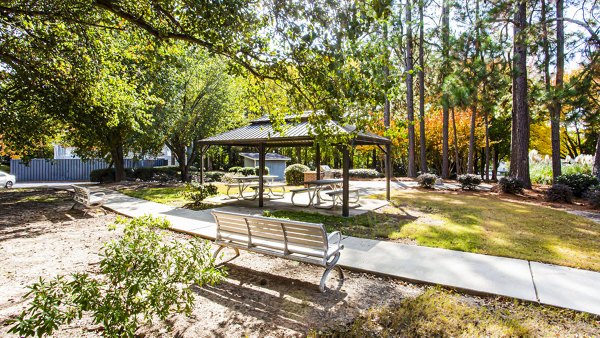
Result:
<point x="221" y="247"/>
<point x="330" y="266"/>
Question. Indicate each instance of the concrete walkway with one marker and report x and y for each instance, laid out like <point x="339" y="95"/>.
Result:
<point x="481" y="274"/>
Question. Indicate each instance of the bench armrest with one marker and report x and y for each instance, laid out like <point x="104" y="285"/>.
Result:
<point x="98" y="194"/>
<point x="331" y="236"/>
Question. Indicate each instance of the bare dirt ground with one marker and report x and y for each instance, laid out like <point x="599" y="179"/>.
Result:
<point x="261" y="297"/>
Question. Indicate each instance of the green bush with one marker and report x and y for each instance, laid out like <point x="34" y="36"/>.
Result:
<point x="469" y="181"/>
<point x="228" y="178"/>
<point x="541" y="173"/>
<point x="107" y="175"/>
<point x="593" y="197"/>
<point x="579" y="183"/>
<point x="364" y="173"/>
<point x="559" y="193"/>
<point x="234" y="169"/>
<point x="294" y="174"/>
<point x="199" y="192"/>
<point x="141" y="276"/>
<point x="162" y="173"/>
<point x="511" y="185"/>
<point x="427" y="180"/>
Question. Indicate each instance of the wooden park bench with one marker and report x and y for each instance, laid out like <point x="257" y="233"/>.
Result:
<point x="84" y="197"/>
<point x="298" y="241"/>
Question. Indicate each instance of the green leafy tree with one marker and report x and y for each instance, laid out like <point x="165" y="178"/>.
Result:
<point x="142" y="275"/>
<point x="199" y="101"/>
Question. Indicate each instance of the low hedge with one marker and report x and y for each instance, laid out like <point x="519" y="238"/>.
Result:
<point x="147" y="174"/>
<point x="107" y="175"/>
<point x="364" y="173"/>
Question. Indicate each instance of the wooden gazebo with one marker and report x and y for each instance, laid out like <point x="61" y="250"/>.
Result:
<point x="261" y="134"/>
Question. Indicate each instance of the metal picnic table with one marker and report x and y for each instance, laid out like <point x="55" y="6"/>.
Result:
<point x="319" y="185"/>
<point x="245" y="182"/>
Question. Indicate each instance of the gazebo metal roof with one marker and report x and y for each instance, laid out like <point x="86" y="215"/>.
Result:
<point x="261" y="131"/>
<point x="268" y="156"/>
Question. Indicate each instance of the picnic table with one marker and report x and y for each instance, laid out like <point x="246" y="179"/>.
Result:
<point x="251" y="182"/>
<point x="313" y="188"/>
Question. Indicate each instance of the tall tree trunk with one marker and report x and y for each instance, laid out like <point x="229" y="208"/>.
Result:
<point x="555" y="106"/>
<point x="422" y="150"/>
<point x="445" y="68"/>
<point x="521" y="106"/>
<point x="456" y="154"/>
<point x="495" y="162"/>
<point x="487" y="145"/>
<point x="470" y="163"/>
<point x="409" y="92"/>
<point x="596" y="169"/>
<point x="119" y="162"/>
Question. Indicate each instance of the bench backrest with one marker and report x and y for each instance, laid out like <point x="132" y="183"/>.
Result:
<point x="285" y="236"/>
<point x="82" y="195"/>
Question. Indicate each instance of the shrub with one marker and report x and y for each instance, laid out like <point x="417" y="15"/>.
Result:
<point x="579" y="183"/>
<point x="593" y="197"/>
<point x="103" y="175"/>
<point x="511" y="185"/>
<point x="141" y="276"/>
<point x="214" y="176"/>
<point x="234" y="169"/>
<point x="427" y="180"/>
<point x="469" y="181"/>
<point x="294" y="174"/>
<point x="107" y="175"/>
<point x="228" y="178"/>
<point x="559" y="193"/>
<point x="364" y="173"/>
<point x="199" y="192"/>
<point x="161" y="174"/>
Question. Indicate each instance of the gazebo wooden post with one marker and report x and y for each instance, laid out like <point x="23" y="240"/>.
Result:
<point x="318" y="161"/>
<point x="345" y="181"/>
<point x="202" y="150"/>
<point x="388" y="169"/>
<point x="261" y="169"/>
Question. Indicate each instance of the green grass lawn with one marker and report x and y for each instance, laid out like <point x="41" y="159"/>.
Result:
<point x="479" y="224"/>
<point x="172" y="195"/>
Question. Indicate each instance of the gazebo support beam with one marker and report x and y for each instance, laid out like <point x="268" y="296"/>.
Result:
<point x="203" y="150"/>
<point x="345" y="181"/>
<point x="318" y="160"/>
<point x="388" y="170"/>
<point x="261" y="169"/>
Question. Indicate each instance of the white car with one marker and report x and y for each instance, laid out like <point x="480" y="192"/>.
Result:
<point x="7" y="180"/>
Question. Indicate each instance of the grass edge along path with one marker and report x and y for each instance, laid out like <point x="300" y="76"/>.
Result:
<point x="477" y="224"/>
<point x="443" y="313"/>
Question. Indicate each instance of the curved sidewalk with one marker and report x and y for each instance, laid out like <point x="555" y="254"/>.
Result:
<point x="527" y="280"/>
